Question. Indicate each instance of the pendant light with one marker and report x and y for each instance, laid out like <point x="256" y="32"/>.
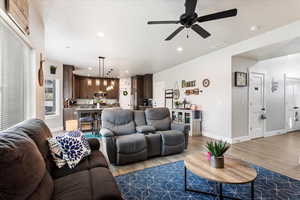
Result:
<point x="101" y="72"/>
<point x="102" y="75"/>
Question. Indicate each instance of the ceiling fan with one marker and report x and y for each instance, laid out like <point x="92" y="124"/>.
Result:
<point x="190" y="19"/>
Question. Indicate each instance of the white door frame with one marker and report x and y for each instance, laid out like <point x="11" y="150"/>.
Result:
<point x="285" y="104"/>
<point x="251" y="136"/>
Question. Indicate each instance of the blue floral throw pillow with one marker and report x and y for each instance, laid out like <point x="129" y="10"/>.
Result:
<point x="56" y="152"/>
<point x="74" y="147"/>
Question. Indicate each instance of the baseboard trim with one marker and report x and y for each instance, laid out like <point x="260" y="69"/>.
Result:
<point x="240" y="139"/>
<point x="275" y="132"/>
<point x="217" y="137"/>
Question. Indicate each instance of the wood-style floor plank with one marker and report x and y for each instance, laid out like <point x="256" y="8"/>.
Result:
<point x="277" y="153"/>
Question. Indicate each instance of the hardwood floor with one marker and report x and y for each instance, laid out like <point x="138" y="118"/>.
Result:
<point x="277" y="153"/>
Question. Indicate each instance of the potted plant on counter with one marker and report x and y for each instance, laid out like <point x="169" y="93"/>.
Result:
<point x="216" y="150"/>
<point x="53" y="69"/>
<point x="177" y="104"/>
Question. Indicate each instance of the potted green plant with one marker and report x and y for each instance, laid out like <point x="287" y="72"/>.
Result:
<point x="177" y="104"/>
<point x="52" y="69"/>
<point x="216" y="150"/>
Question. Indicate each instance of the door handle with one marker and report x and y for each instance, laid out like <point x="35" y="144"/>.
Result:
<point x="263" y="109"/>
<point x="296" y="107"/>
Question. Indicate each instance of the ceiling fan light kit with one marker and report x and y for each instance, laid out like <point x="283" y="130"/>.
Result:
<point x="190" y="20"/>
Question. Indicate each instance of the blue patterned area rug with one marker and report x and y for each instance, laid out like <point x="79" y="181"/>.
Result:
<point x="166" y="182"/>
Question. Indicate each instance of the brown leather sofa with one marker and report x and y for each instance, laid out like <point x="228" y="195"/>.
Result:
<point x="27" y="171"/>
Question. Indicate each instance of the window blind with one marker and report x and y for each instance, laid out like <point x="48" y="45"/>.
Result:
<point x="13" y="60"/>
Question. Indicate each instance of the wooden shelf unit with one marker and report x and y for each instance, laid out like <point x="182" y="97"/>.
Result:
<point x="169" y="94"/>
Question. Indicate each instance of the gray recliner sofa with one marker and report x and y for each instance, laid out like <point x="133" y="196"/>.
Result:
<point x="174" y="137"/>
<point x="131" y="136"/>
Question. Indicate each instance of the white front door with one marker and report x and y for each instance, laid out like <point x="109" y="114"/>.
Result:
<point x="292" y="104"/>
<point x="257" y="108"/>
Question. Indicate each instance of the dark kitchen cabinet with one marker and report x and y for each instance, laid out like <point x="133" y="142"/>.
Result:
<point x="137" y="89"/>
<point x="114" y="93"/>
<point x="142" y="88"/>
<point x="76" y="87"/>
<point x="68" y="82"/>
<point x="148" y="86"/>
<point x="86" y="87"/>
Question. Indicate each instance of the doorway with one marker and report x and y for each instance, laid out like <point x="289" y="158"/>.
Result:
<point x="292" y="103"/>
<point x="257" y="108"/>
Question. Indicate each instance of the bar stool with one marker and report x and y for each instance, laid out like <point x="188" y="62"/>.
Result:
<point x="87" y="119"/>
<point x="98" y="122"/>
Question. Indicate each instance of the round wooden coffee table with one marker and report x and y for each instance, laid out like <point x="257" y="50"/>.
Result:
<point x="234" y="172"/>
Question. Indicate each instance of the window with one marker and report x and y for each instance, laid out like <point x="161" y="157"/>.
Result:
<point x="15" y="61"/>
<point x="51" y="97"/>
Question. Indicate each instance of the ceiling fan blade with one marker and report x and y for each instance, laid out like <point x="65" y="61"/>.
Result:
<point x="174" y="33"/>
<point x="163" y="22"/>
<point x="219" y="15"/>
<point x="201" y="31"/>
<point x="190" y="7"/>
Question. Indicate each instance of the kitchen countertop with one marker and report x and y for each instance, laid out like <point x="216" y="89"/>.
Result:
<point x="87" y="106"/>
<point x="89" y="109"/>
<point x="94" y="109"/>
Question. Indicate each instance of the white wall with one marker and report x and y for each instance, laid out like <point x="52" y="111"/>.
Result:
<point x="37" y="40"/>
<point x="216" y="100"/>
<point x="276" y="69"/>
<point x="125" y="85"/>
<point x="55" y="123"/>
<point x="240" y="98"/>
<point x="2" y="5"/>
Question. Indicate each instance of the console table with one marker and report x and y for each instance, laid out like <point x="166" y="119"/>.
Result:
<point x="192" y="118"/>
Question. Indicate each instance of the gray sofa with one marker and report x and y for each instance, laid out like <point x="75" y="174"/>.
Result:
<point x="131" y="136"/>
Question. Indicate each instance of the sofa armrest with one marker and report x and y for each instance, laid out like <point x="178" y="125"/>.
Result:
<point x="145" y="129"/>
<point x="180" y="127"/>
<point x="94" y="143"/>
<point x="109" y="144"/>
<point x="106" y="132"/>
<point x="184" y="129"/>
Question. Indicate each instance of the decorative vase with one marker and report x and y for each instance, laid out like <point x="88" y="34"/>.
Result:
<point x="217" y="162"/>
<point x="208" y="156"/>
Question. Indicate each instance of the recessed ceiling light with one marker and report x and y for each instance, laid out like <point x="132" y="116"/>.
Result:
<point x="90" y="68"/>
<point x="254" y="28"/>
<point x="179" y="49"/>
<point x="126" y="71"/>
<point x="100" y="34"/>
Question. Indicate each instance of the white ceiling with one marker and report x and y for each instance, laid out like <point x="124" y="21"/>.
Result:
<point x="130" y="44"/>
<point x="284" y="48"/>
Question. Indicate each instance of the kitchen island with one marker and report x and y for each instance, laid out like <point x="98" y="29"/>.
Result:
<point x="74" y="113"/>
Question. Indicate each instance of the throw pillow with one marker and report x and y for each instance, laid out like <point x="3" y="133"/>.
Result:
<point x="56" y="152"/>
<point x="74" y="147"/>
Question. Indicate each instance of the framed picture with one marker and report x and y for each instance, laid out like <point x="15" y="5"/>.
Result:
<point x="241" y="79"/>
<point x="18" y="11"/>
